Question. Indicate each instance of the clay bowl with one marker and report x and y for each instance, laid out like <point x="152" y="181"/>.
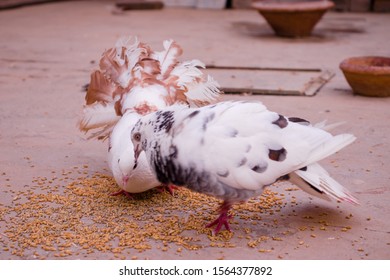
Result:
<point x="368" y="75"/>
<point x="292" y="19"/>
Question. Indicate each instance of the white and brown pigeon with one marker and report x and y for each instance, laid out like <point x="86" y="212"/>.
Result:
<point x="232" y="150"/>
<point x="132" y="81"/>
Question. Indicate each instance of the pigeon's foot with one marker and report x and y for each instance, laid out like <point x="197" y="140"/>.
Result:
<point x="169" y="188"/>
<point x="122" y="192"/>
<point x="223" y="219"/>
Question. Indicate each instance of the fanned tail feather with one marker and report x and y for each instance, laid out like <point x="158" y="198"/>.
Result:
<point x="316" y="181"/>
<point x="168" y="57"/>
<point x="187" y="72"/>
<point x="122" y="46"/>
<point x="114" y="65"/>
<point x="100" y="89"/>
<point x="130" y="64"/>
<point x="136" y="55"/>
<point x="103" y="133"/>
<point x="108" y="85"/>
<point x="126" y="44"/>
<point x="98" y="116"/>
<point x="203" y="93"/>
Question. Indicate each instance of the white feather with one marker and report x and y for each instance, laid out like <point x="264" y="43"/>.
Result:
<point x="188" y="72"/>
<point x="167" y="57"/>
<point x="125" y="44"/>
<point x="328" y="127"/>
<point x="325" y="149"/>
<point x="130" y="52"/>
<point x="205" y="92"/>
<point x="98" y="115"/>
<point x="326" y="186"/>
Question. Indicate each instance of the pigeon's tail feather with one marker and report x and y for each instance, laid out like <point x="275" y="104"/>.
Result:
<point x="188" y="72"/>
<point x="100" y="89"/>
<point x="315" y="180"/>
<point x="115" y="67"/>
<point x="328" y="127"/>
<point x="333" y="145"/>
<point x="203" y="93"/>
<point x="98" y="116"/>
<point x="168" y="57"/>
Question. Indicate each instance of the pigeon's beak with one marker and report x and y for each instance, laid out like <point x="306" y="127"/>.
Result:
<point x="125" y="179"/>
<point x="137" y="151"/>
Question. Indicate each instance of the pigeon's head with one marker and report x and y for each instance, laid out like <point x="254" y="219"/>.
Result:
<point x="149" y="128"/>
<point x="139" y="138"/>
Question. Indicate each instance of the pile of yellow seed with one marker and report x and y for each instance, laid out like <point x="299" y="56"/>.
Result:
<point x="82" y="218"/>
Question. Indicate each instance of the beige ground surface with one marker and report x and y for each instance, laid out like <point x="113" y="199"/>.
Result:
<point x="46" y="55"/>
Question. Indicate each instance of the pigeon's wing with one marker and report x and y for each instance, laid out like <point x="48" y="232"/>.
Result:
<point x="247" y="147"/>
<point x="231" y="140"/>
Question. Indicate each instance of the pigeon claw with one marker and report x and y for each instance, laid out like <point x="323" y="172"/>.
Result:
<point x="169" y="188"/>
<point x="122" y="192"/>
<point x="222" y="220"/>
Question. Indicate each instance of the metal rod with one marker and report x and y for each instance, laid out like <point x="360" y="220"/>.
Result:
<point x="230" y="90"/>
<point x="254" y="68"/>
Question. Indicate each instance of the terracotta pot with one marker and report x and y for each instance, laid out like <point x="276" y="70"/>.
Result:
<point x="368" y="75"/>
<point x="292" y="19"/>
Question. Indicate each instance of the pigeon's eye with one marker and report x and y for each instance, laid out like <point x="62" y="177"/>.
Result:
<point x="137" y="136"/>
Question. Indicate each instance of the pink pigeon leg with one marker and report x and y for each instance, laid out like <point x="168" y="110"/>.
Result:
<point x="169" y="188"/>
<point x="223" y="219"/>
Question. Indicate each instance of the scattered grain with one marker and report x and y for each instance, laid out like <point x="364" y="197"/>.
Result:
<point x="82" y="218"/>
<point x="265" y="250"/>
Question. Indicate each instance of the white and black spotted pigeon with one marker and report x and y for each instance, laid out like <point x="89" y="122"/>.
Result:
<point x="232" y="150"/>
<point x="133" y="80"/>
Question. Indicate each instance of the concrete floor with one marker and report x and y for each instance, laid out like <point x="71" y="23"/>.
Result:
<point x="48" y="51"/>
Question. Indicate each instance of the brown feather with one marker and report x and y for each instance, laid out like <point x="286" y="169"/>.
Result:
<point x="150" y="66"/>
<point x="174" y="47"/>
<point x="142" y="67"/>
<point x="100" y="89"/>
<point x="145" y="108"/>
<point x="118" y="107"/>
